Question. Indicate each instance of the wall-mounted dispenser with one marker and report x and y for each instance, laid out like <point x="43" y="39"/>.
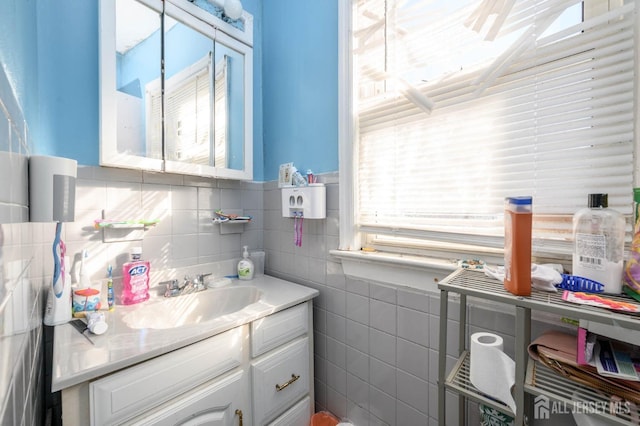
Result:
<point x="52" y="189"/>
<point x="309" y="202"/>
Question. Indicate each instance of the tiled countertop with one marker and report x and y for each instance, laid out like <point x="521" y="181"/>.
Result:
<point x="76" y="360"/>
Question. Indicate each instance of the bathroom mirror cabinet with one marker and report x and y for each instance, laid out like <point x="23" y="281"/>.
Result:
<point x="176" y="91"/>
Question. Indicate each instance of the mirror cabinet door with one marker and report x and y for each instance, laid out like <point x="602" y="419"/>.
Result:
<point x="233" y="108"/>
<point x="189" y="95"/>
<point x="229" y="108"/>
<point x="192" y="117"/>
<point x="130" y="56"/>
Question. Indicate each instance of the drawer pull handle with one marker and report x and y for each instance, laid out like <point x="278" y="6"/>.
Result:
<point x="239" y="414"/>
<point x="294" y="377"/>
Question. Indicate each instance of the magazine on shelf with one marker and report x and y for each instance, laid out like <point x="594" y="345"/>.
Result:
<point x="616" y="360"/>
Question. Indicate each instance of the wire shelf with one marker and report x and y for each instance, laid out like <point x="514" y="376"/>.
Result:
<point x="574" y="397"/>
<point x="459" y="379"/>
<point x="476" y="284"/>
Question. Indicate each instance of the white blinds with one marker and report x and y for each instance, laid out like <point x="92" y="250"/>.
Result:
<point x="462" y="103"/>
<point x="221" y="113"/>
<point x="188" y="114"/>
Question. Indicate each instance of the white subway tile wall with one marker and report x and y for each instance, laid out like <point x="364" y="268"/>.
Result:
<point x="376" y="345"/>
<point x="185" y="237"/>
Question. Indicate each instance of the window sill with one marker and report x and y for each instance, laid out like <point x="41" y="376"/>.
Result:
<point x="398" y="269"/>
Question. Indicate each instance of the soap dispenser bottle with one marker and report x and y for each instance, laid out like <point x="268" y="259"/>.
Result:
<point x="245" y="266"/>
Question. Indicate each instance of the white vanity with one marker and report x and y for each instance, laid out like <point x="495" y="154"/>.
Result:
<point x="253" y="366"/>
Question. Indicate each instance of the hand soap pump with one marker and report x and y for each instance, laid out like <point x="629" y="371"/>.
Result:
<point x="245" y="266"/>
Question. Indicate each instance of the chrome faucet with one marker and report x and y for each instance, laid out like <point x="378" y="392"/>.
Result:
<point x="188" y="285"/>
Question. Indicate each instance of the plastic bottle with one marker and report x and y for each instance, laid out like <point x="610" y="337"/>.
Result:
<point x="85" y="297"/>
<point x="58" y="308"/>
<point x="245" y="266"/>
<point x="517" y="245"/>
<point x="84" y="280"/>
<point x="598" y="243"/>
<point x="135" y="279"/>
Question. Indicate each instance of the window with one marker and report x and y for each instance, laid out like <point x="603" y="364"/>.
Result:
<point x="188" y="113"/>
<point x="458" y="104"/>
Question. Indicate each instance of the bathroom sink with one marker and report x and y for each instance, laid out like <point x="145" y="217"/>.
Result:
<point x="191" y="309"/>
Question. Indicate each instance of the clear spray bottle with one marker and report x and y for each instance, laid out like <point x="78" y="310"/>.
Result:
<point x="598" y="243"/>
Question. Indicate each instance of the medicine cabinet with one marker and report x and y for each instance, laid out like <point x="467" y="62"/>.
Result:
<point x="176" y="91"/>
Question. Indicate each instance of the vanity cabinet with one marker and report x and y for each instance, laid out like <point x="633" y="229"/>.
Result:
<point x="281" y="369"/>
<point x="259" y="373"/>
<point x="216" y="403"/>
<point x="176" y="89"/>
<point x="166" y="379"/>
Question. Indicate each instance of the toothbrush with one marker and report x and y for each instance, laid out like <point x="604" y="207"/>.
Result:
<point x="110" y="297"/>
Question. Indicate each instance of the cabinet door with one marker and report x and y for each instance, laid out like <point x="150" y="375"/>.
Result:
<point x="178" y="100"/>
<point x="280" y="379"/>
<point x="298" y="415"/>
<point x="125" y="394"/>
<point x="213" y="404"/>
<point x="130" y="61"/>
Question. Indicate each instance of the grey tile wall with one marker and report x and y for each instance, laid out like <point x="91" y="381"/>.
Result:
<point x="185" y="237"/>
<point x="376" y="345"/>
<point x="21" y="332"/>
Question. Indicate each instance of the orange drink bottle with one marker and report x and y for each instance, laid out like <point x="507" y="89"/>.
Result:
<point x="517" y="245"/>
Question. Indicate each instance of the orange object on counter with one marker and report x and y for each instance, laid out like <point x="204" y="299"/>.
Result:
<point x="517" y="245"/>
<point x="324" y="418"/>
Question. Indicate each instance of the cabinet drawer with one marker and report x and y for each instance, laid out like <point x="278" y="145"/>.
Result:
<point x="280" y="379"/>
<point x="298" y="415"/>
<point x="279" y="328"/>
<point x="125" y="394"/>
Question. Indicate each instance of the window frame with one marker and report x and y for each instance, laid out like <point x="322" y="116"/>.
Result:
<point x="351" y="238"/>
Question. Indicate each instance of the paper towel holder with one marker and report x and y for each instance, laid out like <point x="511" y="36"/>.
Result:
<point x="52" y="189"/>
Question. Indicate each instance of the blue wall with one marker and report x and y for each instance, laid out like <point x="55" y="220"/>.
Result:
<point x="295" y="82"/>
<point x="68" y="80"/>
<point x="300" y="77"/>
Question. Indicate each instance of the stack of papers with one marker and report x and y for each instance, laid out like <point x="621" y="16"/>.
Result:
<point x="617" y="361"/>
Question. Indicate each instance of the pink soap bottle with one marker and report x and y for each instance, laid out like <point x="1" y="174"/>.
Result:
<point x="135" y="279"/>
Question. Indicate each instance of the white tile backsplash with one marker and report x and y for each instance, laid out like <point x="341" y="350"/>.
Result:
<point x="389" y="331"/>
<point x="382" y="376"/>
<point x="382" y="346"/>
<point x="376" y="345"/>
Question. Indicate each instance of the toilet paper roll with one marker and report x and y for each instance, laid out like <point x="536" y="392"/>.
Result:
<point x="491" y="370"/>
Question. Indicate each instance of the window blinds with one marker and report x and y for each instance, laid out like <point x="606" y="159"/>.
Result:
<point x="462" y="103"/>
<point x="188" y="116"/>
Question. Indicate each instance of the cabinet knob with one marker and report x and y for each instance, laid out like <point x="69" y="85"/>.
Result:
<point x="239" y="414"/>
<point x="294" y="377"/>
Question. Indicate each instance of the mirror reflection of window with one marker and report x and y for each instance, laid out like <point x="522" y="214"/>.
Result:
<point x="188" y="95"/>
<point x="234" y="132"/>
<point x="221" y="113"/>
